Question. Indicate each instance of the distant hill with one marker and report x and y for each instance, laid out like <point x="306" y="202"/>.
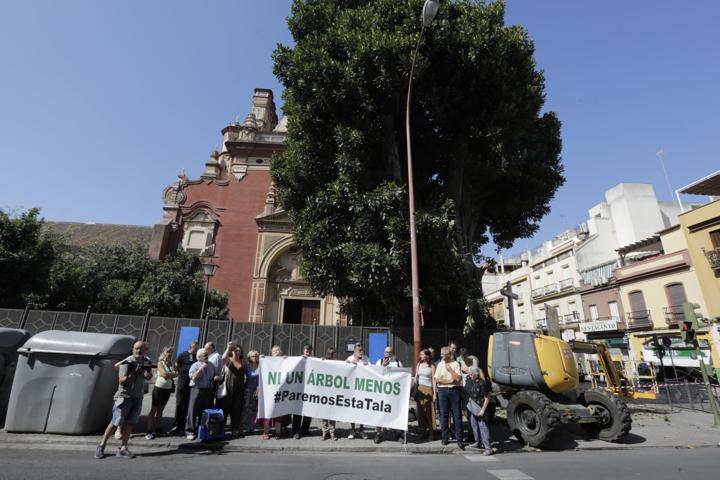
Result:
<point x="81" y="234"/>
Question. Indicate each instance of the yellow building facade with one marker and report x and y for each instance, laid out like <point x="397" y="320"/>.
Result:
<point x="701" y="229"/>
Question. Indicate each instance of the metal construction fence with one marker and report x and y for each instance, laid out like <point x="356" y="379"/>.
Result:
<point x="687" y="395"/>
<point x="161" y="331"/>
<point x="680" y="388"/>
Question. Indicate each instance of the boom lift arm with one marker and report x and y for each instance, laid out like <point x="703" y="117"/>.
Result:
<point x="616" y="381"/>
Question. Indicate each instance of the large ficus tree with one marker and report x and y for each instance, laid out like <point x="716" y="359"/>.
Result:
<point x="486" y="158"/>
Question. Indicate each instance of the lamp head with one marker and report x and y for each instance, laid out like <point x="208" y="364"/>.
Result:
<point x="430" y="10"/>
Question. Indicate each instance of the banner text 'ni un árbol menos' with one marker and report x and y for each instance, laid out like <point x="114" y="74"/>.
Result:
<point x="334" y="390"/>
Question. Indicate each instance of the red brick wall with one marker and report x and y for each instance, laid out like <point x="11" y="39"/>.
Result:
<point x="236" y="205"/>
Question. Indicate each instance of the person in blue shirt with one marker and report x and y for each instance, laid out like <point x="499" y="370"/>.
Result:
<point x="202" y="378"/>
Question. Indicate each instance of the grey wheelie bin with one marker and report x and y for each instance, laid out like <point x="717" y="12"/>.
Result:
<point x="10" y="340"/>
<point x="65" y="382"/>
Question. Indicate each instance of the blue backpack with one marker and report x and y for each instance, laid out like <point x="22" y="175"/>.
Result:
<point x="212" y="425"/>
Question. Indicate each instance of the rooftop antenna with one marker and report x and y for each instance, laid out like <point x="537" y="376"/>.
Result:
<point x="661" y="155"/>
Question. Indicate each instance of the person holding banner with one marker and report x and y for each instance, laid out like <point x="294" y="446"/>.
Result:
<point x="388" y="360"/>
<point x="328" y="426"/>
<point x="278" y="422"/>
<point x="301" y="424"/>
<point x="358" y="358"/>
<point x="449" y="385"/>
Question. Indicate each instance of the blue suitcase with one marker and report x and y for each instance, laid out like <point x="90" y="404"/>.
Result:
<point x="212" y="425"/>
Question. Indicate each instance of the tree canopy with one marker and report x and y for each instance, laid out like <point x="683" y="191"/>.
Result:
<point x="486" y="157"/>
<point x="27" y="253"/>
<point x="45" y="271"/>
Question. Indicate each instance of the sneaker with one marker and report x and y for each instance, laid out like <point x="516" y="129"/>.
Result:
<point x="297" y="436"/>
<point x="124" y="453"/>
<point x="99" y="452"/>
<point x="363" y="435"/>
<point x="174" y="431"/>
<point x="150" y="436"/>
<point x="487" y="453"/>
<point x="351" y="436"/>
<point x="377" y="439"/>
<point x="190" y="436"/>
<point x="461" y="445"/>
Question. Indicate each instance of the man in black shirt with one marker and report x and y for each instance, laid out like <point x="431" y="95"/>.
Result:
<point x="182" y="387"/>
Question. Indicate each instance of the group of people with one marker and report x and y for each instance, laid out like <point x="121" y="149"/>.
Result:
<point x="203" y="378"/>
<point x="453" y="386"/>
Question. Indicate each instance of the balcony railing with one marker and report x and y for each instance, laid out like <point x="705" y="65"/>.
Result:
<point x="713" y="257"/>
<point x="541" y="323"/>
<point x="573" y="317"/>
<point x="546" y="290"/>
<point x="639" y="319"/>
<point x="567" y="283"/>
<point x="674" y="314"/>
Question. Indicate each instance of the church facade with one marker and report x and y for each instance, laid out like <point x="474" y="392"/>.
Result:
<point x="230" y="216"/>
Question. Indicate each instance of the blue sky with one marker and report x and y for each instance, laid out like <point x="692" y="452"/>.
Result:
<point x="103" y="102"/>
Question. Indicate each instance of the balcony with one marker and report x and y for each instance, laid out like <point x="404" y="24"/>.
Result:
<point x="567" y="284"/>
<point x="713" y="257"/>
<point x="674" y="315"/>
<point x="573" y="317"/>
<point x="639" y="319"/>
<point x="546" y="290"/>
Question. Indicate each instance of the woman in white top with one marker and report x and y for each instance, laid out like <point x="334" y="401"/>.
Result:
<point x="426" y="393"/>
<point x="161" y="392"/>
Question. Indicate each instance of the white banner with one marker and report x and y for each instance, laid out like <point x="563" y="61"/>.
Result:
<point x="335" y="390"/>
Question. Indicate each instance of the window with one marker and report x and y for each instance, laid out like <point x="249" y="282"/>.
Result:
<point x="614" y="312"/>
<point x="199" y="234"/>
<point x="566" y="272"/>
<point x="593" y="312"/>
<point x="637" y="302"/>
<point x="572" y="308"/>
<point x="715" y="238"/>
<point x="675" y="293"/>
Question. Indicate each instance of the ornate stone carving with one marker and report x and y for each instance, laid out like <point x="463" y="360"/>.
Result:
<point x="173" y="196"/>
<point x="239" y="171"/>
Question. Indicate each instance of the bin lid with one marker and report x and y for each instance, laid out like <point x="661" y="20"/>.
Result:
<point x="12" y="338"/>
<point x="79" y="343"/>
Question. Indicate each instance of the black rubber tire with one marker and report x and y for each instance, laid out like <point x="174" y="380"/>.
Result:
<point x="618" y="421"/>
<point x="532" y="417"/>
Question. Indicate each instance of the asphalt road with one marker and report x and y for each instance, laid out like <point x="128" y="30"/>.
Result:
<point x="655" y="464"/>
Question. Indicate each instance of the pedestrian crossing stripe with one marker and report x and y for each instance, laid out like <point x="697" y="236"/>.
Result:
<point x="481" y="458"/>
<point x="509" y="475"/>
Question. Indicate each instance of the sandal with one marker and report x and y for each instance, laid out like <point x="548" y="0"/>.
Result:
<point x="266" y="436"/>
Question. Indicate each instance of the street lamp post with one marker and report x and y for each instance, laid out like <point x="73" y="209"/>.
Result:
<point x="430" y="9"/>
<point x="208" y="271"/>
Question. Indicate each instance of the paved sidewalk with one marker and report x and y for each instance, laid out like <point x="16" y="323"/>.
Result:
<point x="652" y="427"/>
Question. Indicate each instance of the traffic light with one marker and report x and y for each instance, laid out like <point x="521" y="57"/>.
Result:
<point x="687" y="331"/>
<point x="691" y="322"/>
